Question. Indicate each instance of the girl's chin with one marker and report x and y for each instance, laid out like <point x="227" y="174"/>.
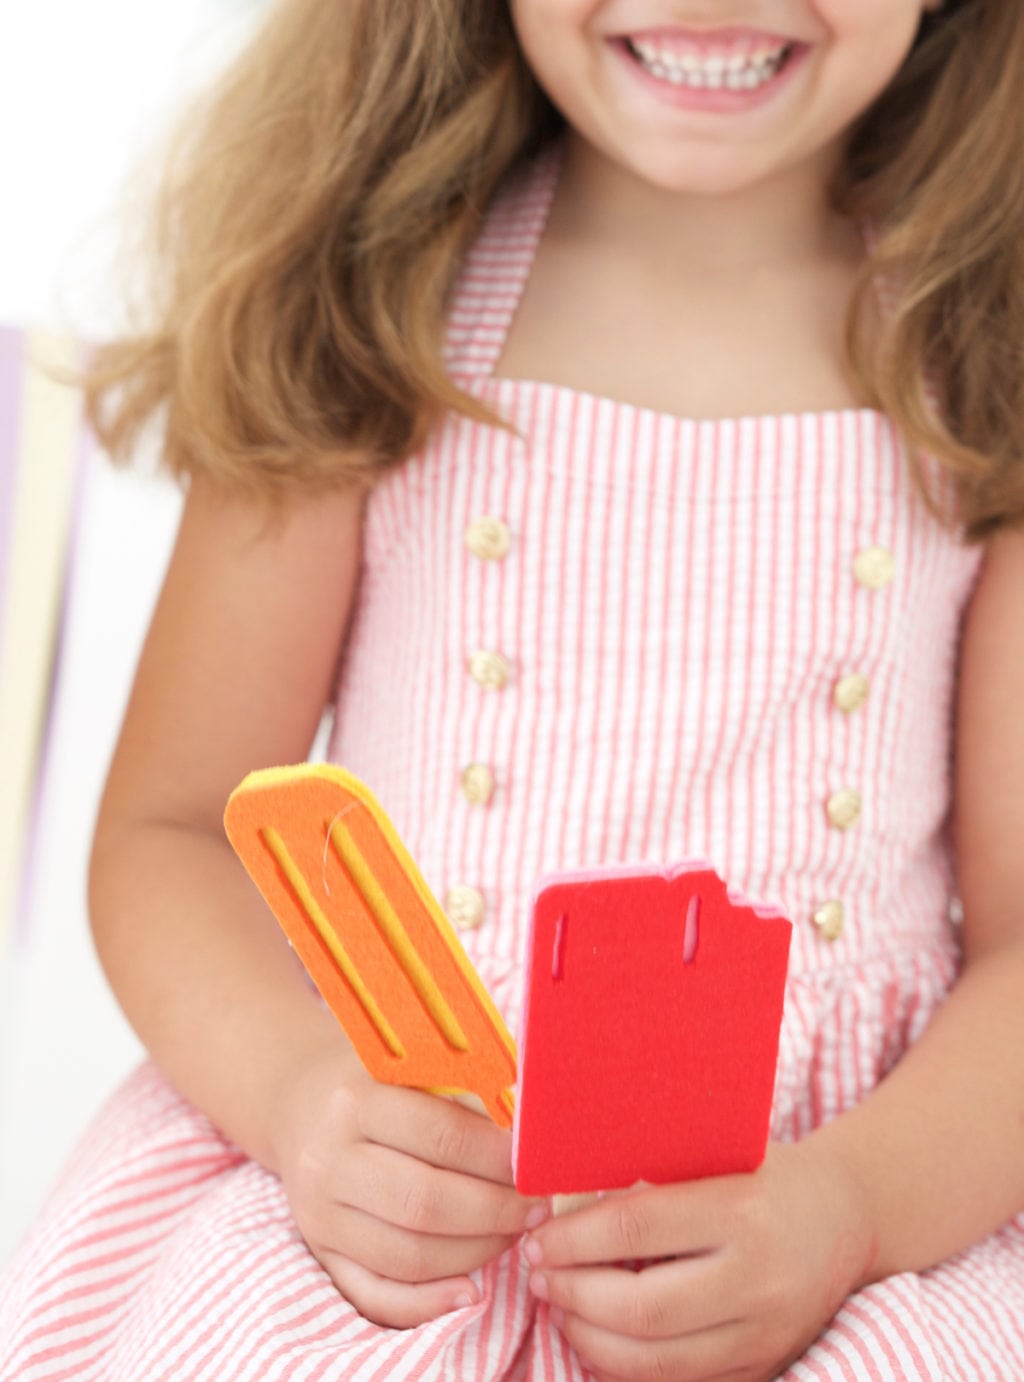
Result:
<point x="693" y="171"/>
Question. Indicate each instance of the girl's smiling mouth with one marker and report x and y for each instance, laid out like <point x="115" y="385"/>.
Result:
<point x="724" y="70"/>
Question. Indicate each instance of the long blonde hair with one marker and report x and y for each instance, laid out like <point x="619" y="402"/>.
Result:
<point x="319" y="204"/>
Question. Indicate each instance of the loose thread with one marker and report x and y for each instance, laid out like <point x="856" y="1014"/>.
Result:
<point x="339" y="815"/>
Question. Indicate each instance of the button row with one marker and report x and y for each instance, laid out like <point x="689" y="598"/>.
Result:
<point x="873" y="568"/>
<point x="488" y="539"/>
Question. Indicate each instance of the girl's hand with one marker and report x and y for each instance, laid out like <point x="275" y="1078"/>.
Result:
<point x="398" y="1193"/>
<point x="756" y="1267"/>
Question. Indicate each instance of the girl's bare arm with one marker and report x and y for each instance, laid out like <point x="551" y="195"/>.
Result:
<point x="234" y="675"/>
<point x="399" y="1195"/>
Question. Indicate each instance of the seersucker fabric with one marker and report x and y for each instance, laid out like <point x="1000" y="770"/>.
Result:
<point x="594" y="634"/>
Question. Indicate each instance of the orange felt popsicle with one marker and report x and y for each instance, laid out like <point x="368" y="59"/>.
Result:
<point x="364" y="923"/>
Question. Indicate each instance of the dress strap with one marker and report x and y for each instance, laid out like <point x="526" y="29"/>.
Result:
<point x="495" y="270"/>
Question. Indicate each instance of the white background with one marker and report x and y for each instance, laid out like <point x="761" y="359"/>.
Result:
<point x="86" y="87"/>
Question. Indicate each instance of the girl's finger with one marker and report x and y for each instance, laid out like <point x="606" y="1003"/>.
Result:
<point x="397" y="1304"/>
<point x="399" y="1254"/>
<point x="437" y="1130"/>
<point x="634" y="1225"/>
<point x="416" y="1195"/>
<point x="709" y="1354"/>
<point x="659" y="1302"/>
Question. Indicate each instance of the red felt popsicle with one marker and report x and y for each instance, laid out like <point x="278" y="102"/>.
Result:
<point x="650" y="1033"/>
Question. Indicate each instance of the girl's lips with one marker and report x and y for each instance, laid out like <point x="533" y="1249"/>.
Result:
<point x="715" y="76"/>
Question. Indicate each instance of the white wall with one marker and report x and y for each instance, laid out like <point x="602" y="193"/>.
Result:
<point x="85" y="86"/>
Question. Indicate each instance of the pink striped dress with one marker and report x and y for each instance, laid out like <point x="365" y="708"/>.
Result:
<point x="606" y="635"/>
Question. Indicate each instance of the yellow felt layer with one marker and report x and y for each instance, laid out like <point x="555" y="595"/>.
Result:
<point x="362" y="919"/>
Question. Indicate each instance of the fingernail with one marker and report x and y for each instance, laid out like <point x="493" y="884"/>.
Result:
<point x="532" y="1252"/>
<point x="537" y="1215"/>
<point x="539" y="1285"/>
<point x="463" y="1300"/>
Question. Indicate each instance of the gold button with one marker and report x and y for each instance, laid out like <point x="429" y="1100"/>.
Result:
<point x="477" y="784"/>
<point x="851" y="692"/>
<point x="843" y="808"/>
<point x="829" y="919"/>
<point x="874" y="567"/>
<point x="464" y="907"/>
<point x="489" y="670"/>
<point x="488" y="538"/>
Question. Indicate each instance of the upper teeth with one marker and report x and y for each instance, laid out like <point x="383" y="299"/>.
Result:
<point x="736" y="73"/>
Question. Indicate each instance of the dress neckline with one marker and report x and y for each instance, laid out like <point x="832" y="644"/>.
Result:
<point x="513" y="228"/>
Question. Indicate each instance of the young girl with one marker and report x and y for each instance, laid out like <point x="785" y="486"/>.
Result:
<point x="615" y="407"/>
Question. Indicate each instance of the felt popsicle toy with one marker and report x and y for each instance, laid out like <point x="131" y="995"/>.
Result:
<point x="650" y="1032"/>
<point x="364" y="923"/>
